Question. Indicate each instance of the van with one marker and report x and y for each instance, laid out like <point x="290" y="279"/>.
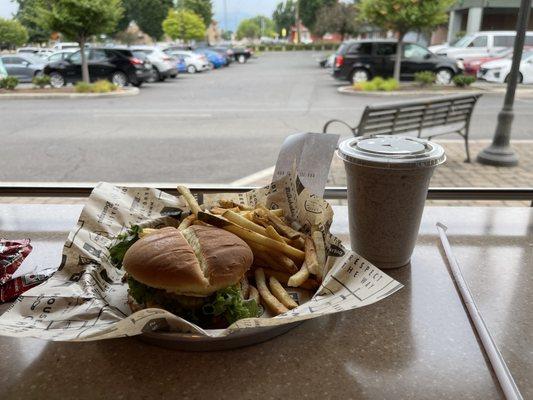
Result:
<point x="480" y="44"/>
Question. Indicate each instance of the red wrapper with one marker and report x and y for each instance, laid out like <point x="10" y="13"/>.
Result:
<point x="12" y="253"/>
<point x="15" y="287"/>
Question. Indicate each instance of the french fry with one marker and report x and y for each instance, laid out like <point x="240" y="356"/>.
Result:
<point x="320" y="249"/>
<point x="281" y="226"/>
<point x="260" y="218"/>
<point x="253" y="294"/>
<point x="310" y="256"/>
<point x="281" y="294"/>
<point x="270" y="301"/>
<point x="273" y="234"/>
<point x="220" y="210"/>
<point x="283" y="277"/>
<point x="198" y="222"/>
<point x="278" y="212"/>
<point x="224" y="203"/>
<point x="300" y="277"/>
<point x="299" y="243"/>
<point x="329" y="264"/>
<point x="245" y="223"/>
<point x="250" y="236"/>
<point x="187" y="221"/>
<point x="189" y="199"/>
<point x="271" y="259"/>
<point x="146" y="232"/>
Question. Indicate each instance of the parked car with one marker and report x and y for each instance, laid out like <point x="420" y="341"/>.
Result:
<point x="67" y="45"/>
<point x="36" y="51"/>
<point x="163" y="65"/>
<point x="214" y="58"/>
<point x="326" y="61"/>
<point x="498" y="70"/>
<point x="3" y="71"/>
<point x="118" y="65"/>
<point x="195" y="62"/>
<point x="481" y="44"/>
<point x="59" y="55"/>
<point x="473" y="65"/>
<point x="361" y="60"/>
<point x="23" y="66"/>
<point x="181" y="65"/>
<point x="227" y="51"/>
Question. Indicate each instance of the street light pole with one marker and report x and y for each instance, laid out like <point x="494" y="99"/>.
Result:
<point x="500" y="153"/>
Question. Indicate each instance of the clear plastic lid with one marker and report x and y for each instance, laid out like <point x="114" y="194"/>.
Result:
<point x="394" y="152"/>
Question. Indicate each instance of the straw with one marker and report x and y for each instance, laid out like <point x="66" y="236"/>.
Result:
<point x="499" y="366"/>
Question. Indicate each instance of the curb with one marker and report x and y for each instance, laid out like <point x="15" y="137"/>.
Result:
<point x="347" y="90"/>
<point x="127" y="91"/>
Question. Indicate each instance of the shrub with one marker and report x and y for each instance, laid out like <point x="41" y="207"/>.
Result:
<point x="41" y="81"/>
<point x="9" y="83"/>
<point x="425" y="78"/>
<point x="463" y="80"/>
<point x="101" y="86"/>
<point x="378" y="84"/>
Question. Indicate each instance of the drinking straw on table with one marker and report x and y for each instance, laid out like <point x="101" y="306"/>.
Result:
<point x="507" y="383"/>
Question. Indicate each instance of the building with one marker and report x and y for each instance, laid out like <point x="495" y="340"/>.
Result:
<point x="468" y="16"/>
<point x="213" y="33"/>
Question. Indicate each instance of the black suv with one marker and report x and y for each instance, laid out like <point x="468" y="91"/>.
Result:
<point x="117" y="65"/>
<point x="361" y="60"/>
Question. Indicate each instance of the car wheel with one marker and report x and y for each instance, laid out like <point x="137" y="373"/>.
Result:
<point x="443" y="76"/>
<point x="359" y="75"/>
<point x="137" y="84"/>
<point x="119" y="78"/>
<point x="191" y="69"/>
<point x="38" y="74"/>
<point x="57" y="80"/>
<point x="519" y="80"/>
<point x="241" y="59"/>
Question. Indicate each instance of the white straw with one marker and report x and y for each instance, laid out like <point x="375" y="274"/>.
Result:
<point x="505" y="378"/>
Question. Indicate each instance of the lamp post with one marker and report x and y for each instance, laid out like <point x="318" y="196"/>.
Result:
<point x="500" y="153"/>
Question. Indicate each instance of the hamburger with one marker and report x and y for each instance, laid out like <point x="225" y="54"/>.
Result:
<point x="194" y="274"/>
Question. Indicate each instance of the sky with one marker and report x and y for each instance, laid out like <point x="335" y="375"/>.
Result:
<point x="236" y="10"/>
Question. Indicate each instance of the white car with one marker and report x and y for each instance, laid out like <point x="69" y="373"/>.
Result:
<point x="195" y="62"/>
<point x="498" y="70"/>
<point x="163" y="66"/>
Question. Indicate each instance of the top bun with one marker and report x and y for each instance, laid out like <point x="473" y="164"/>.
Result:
<point x="195" y="262"/>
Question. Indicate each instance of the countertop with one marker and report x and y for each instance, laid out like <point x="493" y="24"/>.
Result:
<point x="415" y="344"/>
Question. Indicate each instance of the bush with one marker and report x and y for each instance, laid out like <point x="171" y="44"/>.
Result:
<point x="101" y="86"/>
<point x="425" y="78"/>
<point x="9" y="83"/>
<point x="378" y="84"/>
<point x="463" y="80"/>
<point x="41" y="81"/>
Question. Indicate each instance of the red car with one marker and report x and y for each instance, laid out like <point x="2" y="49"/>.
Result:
<point x="472" y="65"/>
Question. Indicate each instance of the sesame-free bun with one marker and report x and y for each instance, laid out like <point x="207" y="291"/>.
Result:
<point x="195" y="262"/>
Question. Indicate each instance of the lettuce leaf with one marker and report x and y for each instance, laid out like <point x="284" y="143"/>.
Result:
<point x="229" y="303"/>
<point x="125" y="241"/>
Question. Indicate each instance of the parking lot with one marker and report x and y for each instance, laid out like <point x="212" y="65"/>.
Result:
<point x="216" y="126"/>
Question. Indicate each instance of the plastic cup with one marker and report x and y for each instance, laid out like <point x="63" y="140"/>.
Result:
<point x="388" y="179"/>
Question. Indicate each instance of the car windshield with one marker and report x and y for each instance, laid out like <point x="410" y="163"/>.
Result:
<point x="464" y="41"/>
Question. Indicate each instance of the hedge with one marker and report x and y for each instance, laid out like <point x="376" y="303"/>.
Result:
<point x="295" y="47"/>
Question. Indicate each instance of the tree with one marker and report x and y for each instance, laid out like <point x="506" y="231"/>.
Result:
<point x="309" y="10"/>
<point x="28" y="17"/>
<point x="184" y="24"/>
<point x="402" y="16"/>
<point x="202" y="8"/>
<point x="340" y="18"/>
<point x="284" y="15"/>
<point x="78" y="20"/>
<point x="12" y="33"/>
<point x="256" y="27"/>
<point x="148" y="14"/>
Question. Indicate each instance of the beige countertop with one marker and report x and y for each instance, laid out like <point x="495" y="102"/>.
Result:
<point x="415" y="344"/>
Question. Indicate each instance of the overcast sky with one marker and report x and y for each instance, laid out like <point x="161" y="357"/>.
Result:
<point x="237" y="9"/>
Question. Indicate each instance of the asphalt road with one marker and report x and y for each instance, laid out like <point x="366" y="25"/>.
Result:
<point x="213" y="127"/>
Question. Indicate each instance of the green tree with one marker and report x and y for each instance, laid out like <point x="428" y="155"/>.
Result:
<point x="402" y="16"/>
<point x="28" y="17"/>
<point x="148" y="14"/>
<point x="184" y="24"/>
<point x="284" y="16"/>
<point x="339" y="18"/>
<point x="78" y="20"/>
<point x="309" y="10"/>
<point x="12" y="33"/>
<point x="202" y="8"/>
<point x="256" y="27"/>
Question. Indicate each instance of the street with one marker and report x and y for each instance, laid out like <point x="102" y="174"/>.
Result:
<point x="213" y="127"/>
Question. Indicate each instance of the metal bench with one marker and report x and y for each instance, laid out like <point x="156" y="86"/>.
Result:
<point x="426" y="118"/>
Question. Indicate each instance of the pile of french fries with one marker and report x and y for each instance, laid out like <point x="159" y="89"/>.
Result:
<point x="282" y="254"/>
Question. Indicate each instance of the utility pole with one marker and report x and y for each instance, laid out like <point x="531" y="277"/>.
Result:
<point x="297" y="18"/>
<point x="500" y="153"/>
<point x="225" y="17"/>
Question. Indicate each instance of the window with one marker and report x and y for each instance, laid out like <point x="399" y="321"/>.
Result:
<point x="76" y="57"/>
<point x="55" y="57"/>
<point x="97" y="55"/>
<point x="529" y="40"/>
<point x="504" y="41"/>
<point x="385" y="49"/>
<point x="361" y="48"/>
<point x="480" y="41"/>
<point x="415" y="51"/>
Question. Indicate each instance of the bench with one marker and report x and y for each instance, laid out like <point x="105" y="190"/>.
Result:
<point x="426" y="118"/>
